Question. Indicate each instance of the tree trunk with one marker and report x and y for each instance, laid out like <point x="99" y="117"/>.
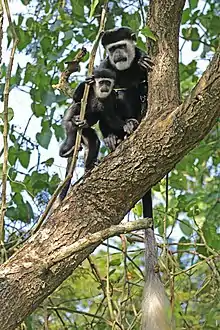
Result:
<point x="104" y="196"/>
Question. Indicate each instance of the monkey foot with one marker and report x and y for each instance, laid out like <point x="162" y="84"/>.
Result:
<point x="130" y="126"/>
<point x="111" y="142"/>
<point x="90" y="166"/>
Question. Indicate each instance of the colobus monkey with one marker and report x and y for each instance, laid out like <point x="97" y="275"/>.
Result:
<point x="131" y="66"/>
<point x="102" y="105"/>
<point x="98" y="99"/>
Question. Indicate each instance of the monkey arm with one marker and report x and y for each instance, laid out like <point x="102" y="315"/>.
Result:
<point x="70" y="126"/>
<point x="111" y="140"/>
<point x="90" y="79"/>
<point x="146" y="63"/>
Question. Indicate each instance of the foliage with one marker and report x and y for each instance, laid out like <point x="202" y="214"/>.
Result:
<point x="49" y="35"/>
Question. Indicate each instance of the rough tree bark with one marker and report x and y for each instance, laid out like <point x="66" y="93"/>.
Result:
<point x="105" y="195"/>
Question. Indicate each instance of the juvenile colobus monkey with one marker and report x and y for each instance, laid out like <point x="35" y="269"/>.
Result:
<point x="131" y="66"/>
<point x="101" y="106"/>
<point x="98" y="98"/>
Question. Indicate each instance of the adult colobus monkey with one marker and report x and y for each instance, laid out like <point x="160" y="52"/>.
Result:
<point x="130" y="65"/>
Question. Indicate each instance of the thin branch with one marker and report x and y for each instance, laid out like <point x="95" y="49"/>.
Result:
<point x="69" y="310"/>
<point x="108" y="291"/>
<point x="99" y="237"/>
<point x="5" y="130"/>
<point x="82" y="115"/>
<point x="72" y="67"/>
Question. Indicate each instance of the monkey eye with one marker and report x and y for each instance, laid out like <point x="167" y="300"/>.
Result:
<point x="112" y="49"/>
<point x="122" y="46"/>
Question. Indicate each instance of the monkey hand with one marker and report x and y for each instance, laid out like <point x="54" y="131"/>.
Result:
<point x="111" y="142"/>
<point x="146" y="63"/>
<point x="79" y="123"/>
<point x="130" y="126"/>
<point x="90" y="80"/>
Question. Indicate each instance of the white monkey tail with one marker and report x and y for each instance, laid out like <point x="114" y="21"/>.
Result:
<point x="156" y="312"/>
<point x="155" y="306"/>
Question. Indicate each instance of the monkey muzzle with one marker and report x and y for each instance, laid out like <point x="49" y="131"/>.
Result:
<point x="119" y="57"/>
<point x="104" y="89"/>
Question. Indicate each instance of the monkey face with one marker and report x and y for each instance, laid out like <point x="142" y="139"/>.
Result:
<point x="121" y="54"/>
<point x="103" y="87"/>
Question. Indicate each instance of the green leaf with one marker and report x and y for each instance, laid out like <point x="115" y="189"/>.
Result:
<point x="193" y="3"/>
<point x="186" y="227"/>
<point x="44" y="138"/>
<point x="93" y="7"/>
<point x="13" y="155"/>
<point x="10" y="114"/>
<point x="56" y="26"/>
<point x="11" y="173"/>
<point x="68" y="35"/>
<point x="30" y="213"/>
<point x="25" y="2"/>
<point x="24" y="39"/>
<point x="17" y="186"/>
<point x="48" y="98"/>
<point x="24" y="157"/>
<point x="138" y="209"/>
<point x="115" y="262"/>
<point x="46" y="44"/>
<point x="146" y="31"/>
<point x="186" y="15"/>
<point x="49" y="162"/>
<point x="30" y="22"/>
<point x="78" y="9"/>
<point x="183" y="247"/>
<point x="131" y="20"/>
<point x="38" y="109"/>
<point x="59" y="132"/>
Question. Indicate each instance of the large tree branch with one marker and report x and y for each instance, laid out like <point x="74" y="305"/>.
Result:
<point x="105" y="195"/>
<point x="164" y="20"/>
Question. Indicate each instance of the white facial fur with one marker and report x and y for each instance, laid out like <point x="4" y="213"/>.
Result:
<point x="99" y="94"/>
<point x="128" y="53"/>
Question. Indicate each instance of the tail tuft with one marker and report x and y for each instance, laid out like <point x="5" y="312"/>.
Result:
<point x="155" y="306"/>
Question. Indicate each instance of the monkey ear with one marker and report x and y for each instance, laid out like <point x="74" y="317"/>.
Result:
<point x="134" y="37"/>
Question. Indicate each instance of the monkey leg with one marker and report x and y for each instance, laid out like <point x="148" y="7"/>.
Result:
<point x="111" y="141"/>
<point x="67" y="146"/>
<point x="92" y="144"/>
<point x="65" y="189"/>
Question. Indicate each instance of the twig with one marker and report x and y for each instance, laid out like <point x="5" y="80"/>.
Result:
<point x="108" y="292"/>
<point x="5" y="130"/>
<point x="184" y="271"/>
<point x="79" y="132"/>
<point x="72" y="67"/>
<point x="99" y="237"/>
